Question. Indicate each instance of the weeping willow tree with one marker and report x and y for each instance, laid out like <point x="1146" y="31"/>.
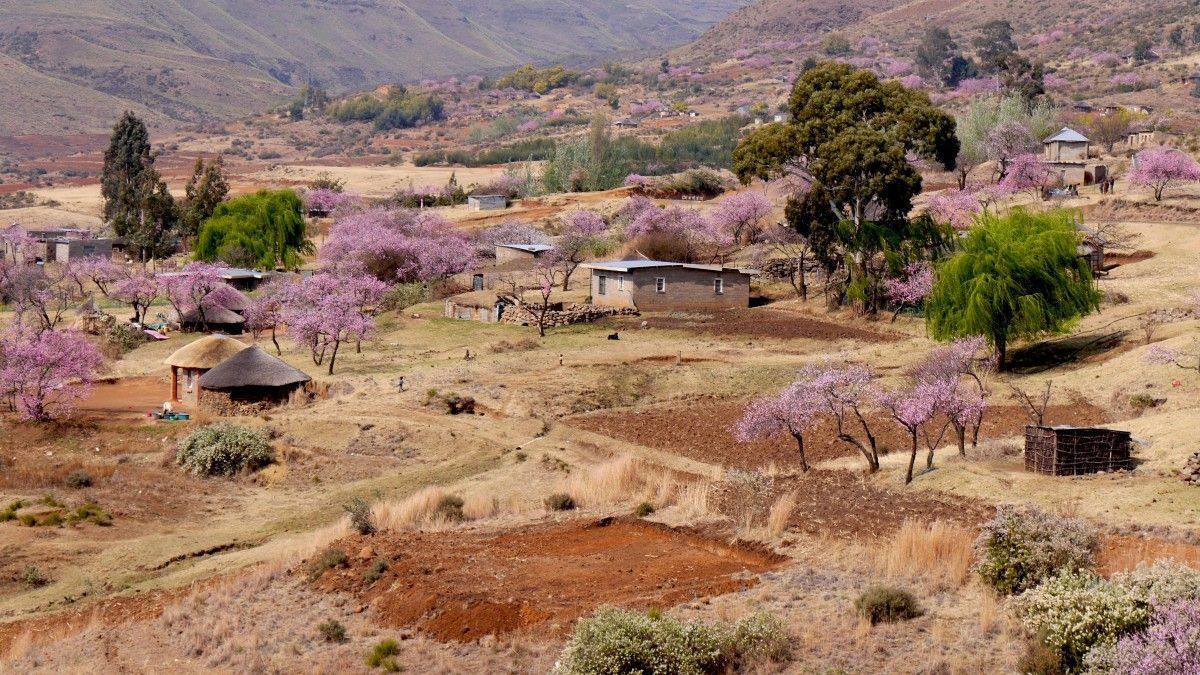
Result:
<point x="1018" y="276"/>
<point x="265" y="229"/>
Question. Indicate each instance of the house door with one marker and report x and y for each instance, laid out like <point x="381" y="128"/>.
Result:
<point x="477" y="282"/>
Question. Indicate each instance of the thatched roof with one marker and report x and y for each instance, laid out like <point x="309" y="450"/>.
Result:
<point x="206" y="352"/>
<point x="252" y="367"/>
<point x="212" y="315"/>
<point x="236" y="301"/>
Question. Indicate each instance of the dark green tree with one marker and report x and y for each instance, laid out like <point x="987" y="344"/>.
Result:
<point x="204" y="191"/>
<point x="995" y="46"/>
<point x="265" y="229"/>
<point x="939" y="58"/>
<point x="849" y="138"/>
<point x="1024" y="78"/>
<point x="1016" y="277"/>
<point x="124" y="182"/>
<point x="154" y="233"/>
<point x="1143" y="50"/>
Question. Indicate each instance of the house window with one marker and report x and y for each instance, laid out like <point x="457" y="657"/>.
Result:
<point x="621" y="282"/>
<point x="602" y="285"/>
<point x="719" y="286"/>
<point x="660" y="284"/>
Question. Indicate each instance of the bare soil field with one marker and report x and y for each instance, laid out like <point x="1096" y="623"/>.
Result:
<point x="757" y="322"/>
<point x="702" y="429"/>
<point x="463" y="585"/>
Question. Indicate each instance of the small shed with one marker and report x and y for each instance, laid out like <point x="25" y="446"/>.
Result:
<point x="484" y="306"/>
<point x="506" y="253"/>
<point x="192" y="361"/>
<point x="250" y="380"/>
<point x="1072" y="451"/>
<point x="487" y="202"/>
<point x="218" y="319"/>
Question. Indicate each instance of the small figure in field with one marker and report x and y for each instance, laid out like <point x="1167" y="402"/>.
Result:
<point x="401" y="384"/>
<point x="560" y="359"/>
<point x="614" y="336"/>
<point x="467" y="356"/>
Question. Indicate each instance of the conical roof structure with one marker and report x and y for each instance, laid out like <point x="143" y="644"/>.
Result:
<point x="252" y="367"/>
<point x="206" y="352"/>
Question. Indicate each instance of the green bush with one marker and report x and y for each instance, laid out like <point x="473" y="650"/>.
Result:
<point x="620" y="641"/>
<point x="403" y="296"/>
<point x="224" y="449"/>
<point x="360" y="516"/>
<point x="332" y="631"/>
<point x="1020" y="547"/>
<point x="78" y="479"/>
<point x="883" y="604"/>
<point x="90" y="513"/>
<point x="375" y="571"/>
<point x="450" y="509"/>
<point x="644" y="509"/>
<point x="32" y="576"/>
<point x="331" y="558"/>
<point x="383" y="655"/>
<point x="560" y="501"/>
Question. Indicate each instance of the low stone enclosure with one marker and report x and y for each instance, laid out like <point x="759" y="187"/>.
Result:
<point x="563" y="315"/>
<point x="1072" y="451"/>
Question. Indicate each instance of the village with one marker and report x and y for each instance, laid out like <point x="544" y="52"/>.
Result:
<point x="876" y="381"/>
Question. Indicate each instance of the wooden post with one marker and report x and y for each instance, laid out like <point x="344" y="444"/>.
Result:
<point x="174" y="383"/>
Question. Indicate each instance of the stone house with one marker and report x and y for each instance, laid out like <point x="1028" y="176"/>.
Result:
<point x="487" y="202"/>
<point x="1067" y="156"/>
<point x="659" y="286"/>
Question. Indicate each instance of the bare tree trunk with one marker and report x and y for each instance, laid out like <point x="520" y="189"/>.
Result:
<point x="275" y="341"/>
<point x="333" y="356"/>
<point x="800" y="448"/>
<point x="912" y="458"/>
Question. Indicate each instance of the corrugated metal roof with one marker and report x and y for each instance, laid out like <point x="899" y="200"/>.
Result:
<point x="1067" y="135"/>
<point x="531" y="248"/>
<point x="628" y="265"/>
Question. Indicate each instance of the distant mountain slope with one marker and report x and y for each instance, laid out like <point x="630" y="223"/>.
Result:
<point x="77" y="61"/>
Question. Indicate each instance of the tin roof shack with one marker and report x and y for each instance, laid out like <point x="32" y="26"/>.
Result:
<point x="660" y="286"/>
<point x="507" y="253"/>
<point x="1067" y="155"/>
<point x="251" y="381"/>
<point x="192" y="361"/>
<point x="1072" y="451"/>
<point x="487" y="202"/>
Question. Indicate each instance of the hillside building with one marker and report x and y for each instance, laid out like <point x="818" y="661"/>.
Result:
<point x="660" y="286"/>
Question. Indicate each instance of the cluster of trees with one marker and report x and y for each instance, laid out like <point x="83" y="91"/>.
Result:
<point x="940" y="59"/>
<point x="538" y="81"/>
<point x="945" y="392"/>
<point x="402" y="108"/>
<point x="137" y="205"/>
<point x="848" y="142"/>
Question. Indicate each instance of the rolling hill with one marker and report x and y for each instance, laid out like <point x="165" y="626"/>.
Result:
<point x="73" y="65"/>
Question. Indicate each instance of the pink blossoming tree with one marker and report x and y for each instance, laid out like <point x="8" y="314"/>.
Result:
<point x="956" y="208"/>
<point x="740" y="217"/>
<point x="198" y="288"/>
<point x="43" y="374"/>
<point x="1160" y="168"/>
<point x="792" y="411"/>
<point x="910" y="289"/>
<point x="583" y="236"/>
<point x="140" y="289"/>
<point x="326" y="310"/>
<point x="397" y="245"/>
<point x="265" y="311"/>
<point x="1025" y="172"/>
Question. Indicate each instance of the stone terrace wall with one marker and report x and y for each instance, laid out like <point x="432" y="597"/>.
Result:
<point x="523" y="315"/>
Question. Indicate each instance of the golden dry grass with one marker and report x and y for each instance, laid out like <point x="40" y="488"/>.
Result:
<point x="939" y="552"/>
<point x="780" y="514"/>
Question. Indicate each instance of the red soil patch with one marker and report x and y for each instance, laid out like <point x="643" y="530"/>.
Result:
<point x="464" y="585"/>
<point x="1127" y="258"/>
<point x="702" y="430"/>
<point x="126" y="397"/>
<point x="757" y="322"/>
<point x="843" y="504"/>
<point x="1121" y="553"/>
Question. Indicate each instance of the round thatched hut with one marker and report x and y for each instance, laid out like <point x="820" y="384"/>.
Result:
<point x="220" y="319"/>
<point x="250" y="379"/>
<point x="195" y="359"/>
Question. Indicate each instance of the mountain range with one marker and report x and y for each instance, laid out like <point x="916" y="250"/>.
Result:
<point x="70" y="66"/>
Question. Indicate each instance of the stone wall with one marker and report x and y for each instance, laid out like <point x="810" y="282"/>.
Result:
<point x="525" y="315"/>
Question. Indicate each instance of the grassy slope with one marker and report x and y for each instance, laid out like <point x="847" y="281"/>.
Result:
<point x="223" y="58"/>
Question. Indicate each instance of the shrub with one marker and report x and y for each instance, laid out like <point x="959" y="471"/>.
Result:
<point x="375" y="571"/>
<point x="32" y="576"/>
<point x="90" y="513"/>
<point x="360" y="516"/>
<point x="883" y="604"/>
<point x="223" y="449"/>
<point x="332" y="631"/>
<point x="450" y="509"/>
<point x="1020" y="547"/>
<point x="560" y="501"/>
<point x="10" y="513"/>
<point x="383" y="655"/>
<point x="78" y="479"/>
<point x="403" y="296"/>
<point x="1040" y="660"/>
<point x="1076" y="611"/>
<point x="620" y="641"/>
<point x="331" y="558"/>
<point x="1171" y="644"/>
<point x="644" y="509"/>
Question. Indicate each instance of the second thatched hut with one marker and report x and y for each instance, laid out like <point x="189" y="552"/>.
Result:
<point x="251" y="380"/>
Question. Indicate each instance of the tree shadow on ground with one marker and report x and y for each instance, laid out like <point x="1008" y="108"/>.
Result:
<point x="1071" y="350"/>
